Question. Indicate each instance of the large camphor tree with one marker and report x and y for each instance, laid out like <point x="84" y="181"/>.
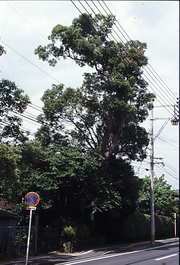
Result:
<point x="106" y="111"/>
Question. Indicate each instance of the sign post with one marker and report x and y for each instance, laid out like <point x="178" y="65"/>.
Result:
<point x="31" y="199"/>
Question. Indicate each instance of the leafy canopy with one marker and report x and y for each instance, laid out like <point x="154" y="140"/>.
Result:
<point x="12" y="103"/>
<point x="165" y="199"/>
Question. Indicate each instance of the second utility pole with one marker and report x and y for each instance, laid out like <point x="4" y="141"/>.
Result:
<point x="152" y="184"/>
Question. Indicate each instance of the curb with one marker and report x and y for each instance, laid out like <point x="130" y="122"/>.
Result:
<point x="55" y="258"/>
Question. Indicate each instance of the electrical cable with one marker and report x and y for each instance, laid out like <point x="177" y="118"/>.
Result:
<point x="148" y="64"/>
<point x="22" y="128"/>
<point x="174" y="147"/>
<point x="33" y="106"/>
<point x="26" y="20"/>
<point x="130" y="39"/>
<point x="169" y="179"/>
<point x="29" y="61"/>
<point x="173" y="187"/>
<point x="100" y="13"/>
<point x="165" y="170"/>
<point x="172" y="168"/>
<point x="117" y="22"/>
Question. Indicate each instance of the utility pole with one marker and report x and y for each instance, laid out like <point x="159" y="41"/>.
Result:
<point x="175" y="121"/>
<point x="152" y="184"/>
<point x="175" y="225"/>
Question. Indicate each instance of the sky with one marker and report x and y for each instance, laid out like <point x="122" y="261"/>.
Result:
<point x="24" y="25"/>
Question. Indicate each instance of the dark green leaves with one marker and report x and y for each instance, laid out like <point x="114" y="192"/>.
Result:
<point x="12" y="103"/>
<point x="165" y="199"/>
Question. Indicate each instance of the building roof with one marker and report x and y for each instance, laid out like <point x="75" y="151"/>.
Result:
<point x="6" y="214"/>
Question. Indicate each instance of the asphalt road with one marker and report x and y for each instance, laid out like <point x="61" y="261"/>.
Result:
<point x="162" y="255"/>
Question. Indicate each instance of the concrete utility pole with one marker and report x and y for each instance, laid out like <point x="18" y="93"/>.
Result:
<point x="175" y="225"/>
<point x="175" y="121"/>
<point x="152" y="184"/>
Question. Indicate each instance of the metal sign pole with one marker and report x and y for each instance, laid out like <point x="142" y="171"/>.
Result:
<point x="31" y="199"/>
<point x="29" y="233"/>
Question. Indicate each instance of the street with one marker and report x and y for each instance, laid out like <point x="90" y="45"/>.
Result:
<point x="162" y="255"/>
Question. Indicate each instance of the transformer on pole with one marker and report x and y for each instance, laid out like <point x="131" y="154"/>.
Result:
<point x="175" y="120"/>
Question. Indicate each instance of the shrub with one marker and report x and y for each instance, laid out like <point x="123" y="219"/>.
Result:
<point x="137" y="227"/>
<point x="164" y="227"/>
<point x="68" y="234"/>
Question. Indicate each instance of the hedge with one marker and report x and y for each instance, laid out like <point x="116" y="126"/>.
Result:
<point x="136" y="227"/>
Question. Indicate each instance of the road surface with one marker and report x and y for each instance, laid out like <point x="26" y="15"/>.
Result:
<point x="162" y="255"/>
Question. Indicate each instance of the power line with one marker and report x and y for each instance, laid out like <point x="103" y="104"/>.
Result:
<point x="157" y="91"/>
<point x="26" y="20"/>
<point x="175" y="147"/>
<point x="129" y="39"/>
<point x="29" y="61"/>
<point x="171" y="168"/>
<point x="23" y="129"/>
<point x="33" y="106"/>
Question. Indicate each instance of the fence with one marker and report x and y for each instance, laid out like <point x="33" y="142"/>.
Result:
<point x="15" y="238"/>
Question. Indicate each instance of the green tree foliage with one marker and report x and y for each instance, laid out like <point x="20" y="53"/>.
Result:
<point x="12" y="103"/>
<point x="9" y="172"/>
<point x="2" y="50"/>
<point x="105" y="112"/>
<point x="71" y="184"/>
<point x="165" y="199"/>
<point x="66" y="180"/>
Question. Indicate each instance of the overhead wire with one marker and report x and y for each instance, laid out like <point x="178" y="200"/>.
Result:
<point x="25" y="20"/>
<point x="149" y="65"/>
<point x="172" y="185"/>
<point x="23" y="128"/>
<point x="157" y="91"/>
<point x="28" y="60"/>
<point x="116" y="21"/>
<point x="172" y="168"/>
<point x="165" y="170"/>
<point x="129" y="39"/>
<point x="174" y="147"/>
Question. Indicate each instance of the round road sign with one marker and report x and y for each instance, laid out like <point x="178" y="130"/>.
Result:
<point x="32" y="199"/>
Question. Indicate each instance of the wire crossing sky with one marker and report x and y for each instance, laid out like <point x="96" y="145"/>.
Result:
<point x="165" y="96"/>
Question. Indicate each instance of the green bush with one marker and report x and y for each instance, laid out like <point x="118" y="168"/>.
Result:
<point x="177" y="226"/>
<point x="68" y="234"/>
<point x="77" y="233"/>
<point x="82" y="231"/>
<point x="137" y="227"/>
<point x="164" y="227"/>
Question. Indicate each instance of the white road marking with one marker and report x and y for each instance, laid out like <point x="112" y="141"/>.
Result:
<point x="166" y="257"/>
<point x="112" y="255"/>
